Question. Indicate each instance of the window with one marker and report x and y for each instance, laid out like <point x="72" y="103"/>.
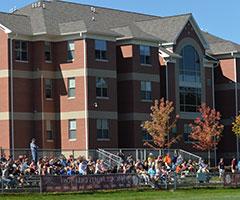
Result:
<point x="187" y="131"/>
<point x="146" y="136"/>
<point x="72" y="133"/>
<point x="145" y="55"/>
<point x="189" y="80"/>
<point x="102" y="129"/>
<point x="49" y="88"/>
<point x="49" y="130"/>
<point x="101" y="87"/>
<point x="70" y="50"/>
<point x="71" y="87"/>
<point x="146" y="90"/>
<point x="190" y="99"/>
<point x="48" y="52"/>
<point x="21" y="49"/>
<point x="100" y="49"/>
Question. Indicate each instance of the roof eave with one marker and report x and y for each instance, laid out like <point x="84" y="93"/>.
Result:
<point x="196" y="29"/>
<point x="5" y="29"/>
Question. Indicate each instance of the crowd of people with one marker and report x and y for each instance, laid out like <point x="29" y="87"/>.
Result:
<point x="16" y="172"/>
<point x="155" y="169"/>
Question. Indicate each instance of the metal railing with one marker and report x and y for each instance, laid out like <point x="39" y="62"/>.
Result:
<point x="142" y="154"/>
<point x="26" y="183"/>
<point x="109" y="158"/>
<point x="188" y="155"/>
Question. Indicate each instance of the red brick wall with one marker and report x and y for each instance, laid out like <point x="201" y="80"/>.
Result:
<point x="4" y="92"/>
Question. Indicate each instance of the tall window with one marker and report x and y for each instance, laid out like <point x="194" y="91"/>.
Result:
<point x="101" y="87"/>
<point x="70" y="50"/>
<point x="100" y="49"/>
<point x="21" y="50"/>
<point x="146" y="90"/>
<point x="49" y="88"/>
<point x="102" y="129"/>
<point x="49" y="130"/>
<point x="48" y="52"/>
<point x="71" y="87"/>
<point x="145" y="55"/>
<point x="72" y="129"/>
<point x="189" y="80"/>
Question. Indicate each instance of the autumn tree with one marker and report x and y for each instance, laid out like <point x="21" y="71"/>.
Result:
<point x="236" y="130"/>
<point x="236" y="126"/>
<point x="161" y="122"/>
<point x="206" y="129"/>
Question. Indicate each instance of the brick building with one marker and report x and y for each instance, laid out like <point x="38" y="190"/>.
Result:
<point x="79" y="77"/>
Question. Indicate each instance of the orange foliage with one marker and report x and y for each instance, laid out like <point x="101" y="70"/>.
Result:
<point x="160" y="124"/>
<point x="206" y="130"/>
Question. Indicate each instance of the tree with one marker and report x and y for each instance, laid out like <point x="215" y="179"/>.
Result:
<point x="161" y="122"/>
<point x="236" y="126"/>
<point x="236" y="131"/>
<point x="206" y="130"/>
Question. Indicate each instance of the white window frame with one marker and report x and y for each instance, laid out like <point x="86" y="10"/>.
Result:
<point x="72" y="128"/>
<point x="101" y="84"/>
<point x="71" y="87"/>
<point x="145" y="53"/>
<point x="49" y="129"/>
<point x="102" y="128"/>
<point x="70" y="50"/>
<point x="48" y="50"/>
<point x="20" y="50"/>
<point x="49" y="87"/>
<point x="146" y="87"/>
<point x="101" y="48"/>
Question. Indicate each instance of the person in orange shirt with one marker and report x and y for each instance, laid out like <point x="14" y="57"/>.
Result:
<point x="167" y="159"/>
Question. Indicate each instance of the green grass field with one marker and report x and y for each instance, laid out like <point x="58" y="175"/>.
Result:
<point x="201" y="194"/>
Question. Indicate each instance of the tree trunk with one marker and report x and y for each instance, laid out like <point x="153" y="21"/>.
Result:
<point x="209" y="158"/>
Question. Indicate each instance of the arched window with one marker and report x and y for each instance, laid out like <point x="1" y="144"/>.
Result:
<point x="189" y="80"/>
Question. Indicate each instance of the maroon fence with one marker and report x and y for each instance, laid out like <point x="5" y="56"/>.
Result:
<point x="232" y="179"/>
<point x="88" y="182"/>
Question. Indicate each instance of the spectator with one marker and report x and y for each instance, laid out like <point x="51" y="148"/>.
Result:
<point x="221" y="168"/>
<point x="34" y="150"/>
<point x="234" y="165"/>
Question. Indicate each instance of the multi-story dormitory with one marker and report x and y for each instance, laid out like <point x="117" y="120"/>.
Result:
<point x="76" y="76"/>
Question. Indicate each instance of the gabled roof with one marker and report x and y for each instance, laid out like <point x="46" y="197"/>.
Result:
<point x="166" y="28"/>
<point x="17" y="23"/>
<point x="63" y="18"/>
<point x="169" y="28"/>
<point x="218" y="45"/>
<point x="135" y="32"/>
<point x="57" y="13"/>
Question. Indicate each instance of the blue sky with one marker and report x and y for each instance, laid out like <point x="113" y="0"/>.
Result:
<point x="219" y="17"/>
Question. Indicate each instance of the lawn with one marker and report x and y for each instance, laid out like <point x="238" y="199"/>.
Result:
<point x="195" y="194"/>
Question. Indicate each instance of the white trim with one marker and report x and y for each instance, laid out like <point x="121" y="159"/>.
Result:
<point x="138" y="77"/>
<point x="236" y="100"/>
<point x="167" y="84"/>
<point x="133" y="116"/>
<point x="213" y="88"/>
<point x="11" y="97"/>
<point x="236" y="87"/>
<point x="138" y="42"/>
<point x="5" y="29"/>
<point x="197" y="31"/>
<point x="85" y="93"/>
<point x="59" y="74"/>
